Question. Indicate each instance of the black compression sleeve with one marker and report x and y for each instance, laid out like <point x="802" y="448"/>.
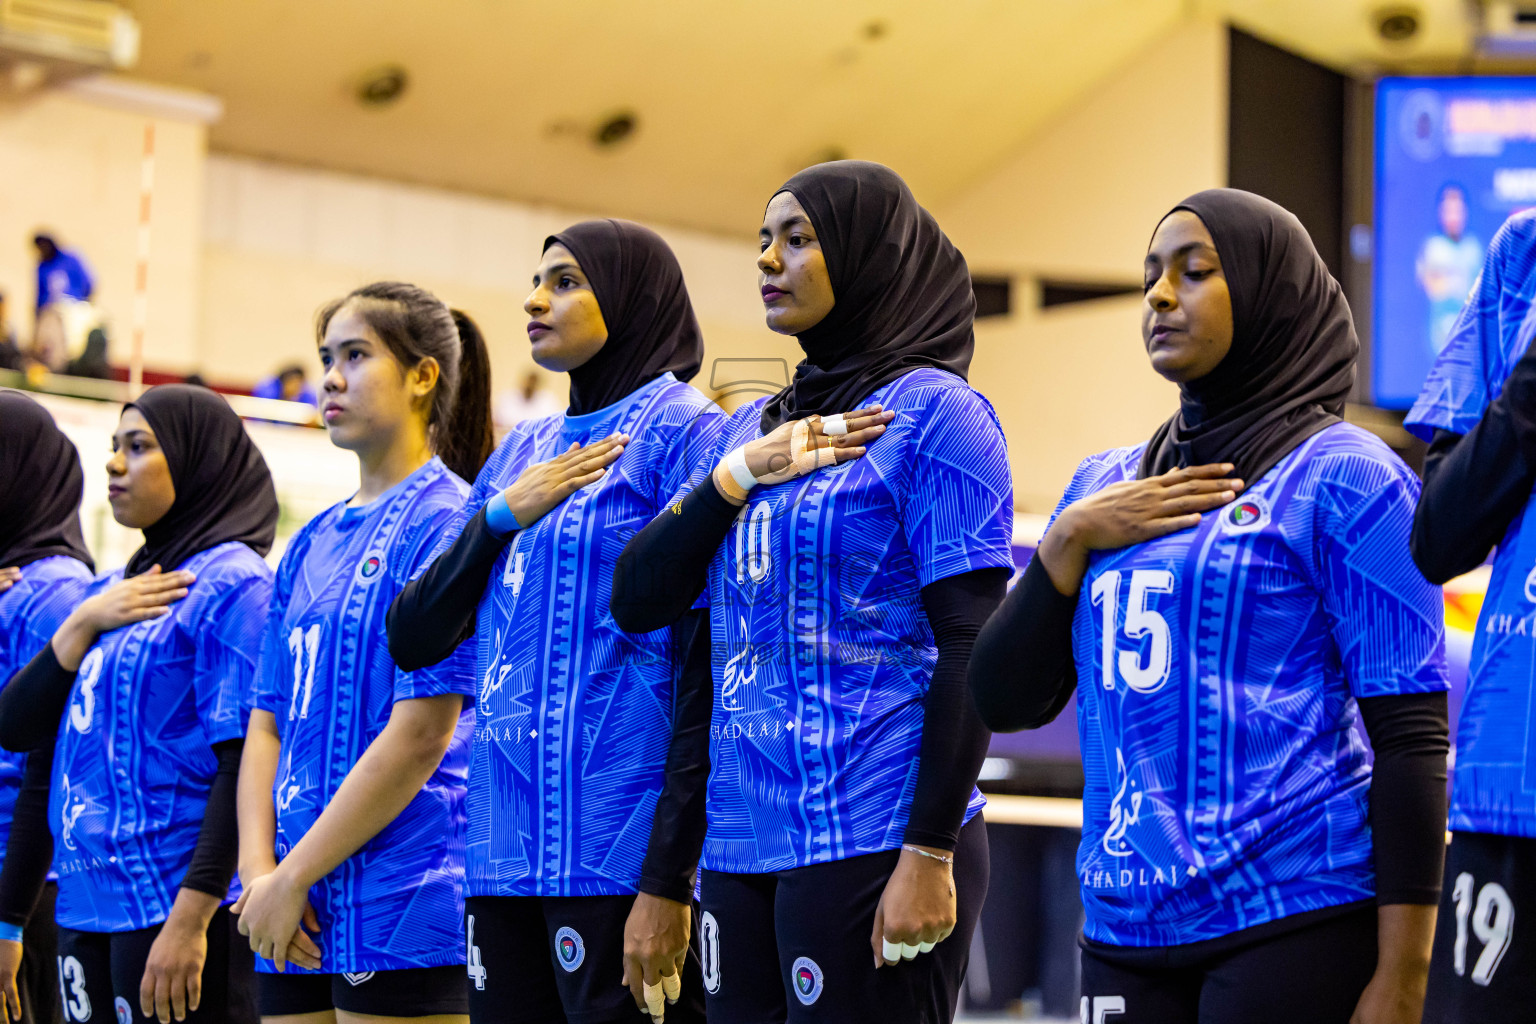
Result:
<point x="954" y="738"/>
<point x="677" y="829"/>
<point x="1475" y="486"/>
<point x="662" y="569"/>
<point x="1021" y="668"/>
<point x="32" y="703"/>
<point x="29" y="850"/>
<point x="436" y="611"/>
<point x="1411" y="739"/>
<point x="218" y="841"/>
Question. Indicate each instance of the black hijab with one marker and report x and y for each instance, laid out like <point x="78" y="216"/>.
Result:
<point x="40" y="486"/>
<point x="223" y="489"/>
<point x="1292" y="361"/>
<point x="651" y="326"/>
<point x="903" y="292"/>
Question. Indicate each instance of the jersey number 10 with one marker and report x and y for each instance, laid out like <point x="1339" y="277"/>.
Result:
<point x="1140" y="621"/>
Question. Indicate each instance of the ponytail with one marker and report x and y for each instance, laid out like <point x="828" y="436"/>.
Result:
<point x="467" y="441"/>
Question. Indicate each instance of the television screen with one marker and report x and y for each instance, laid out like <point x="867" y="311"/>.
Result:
<point x="1454" y="158"/>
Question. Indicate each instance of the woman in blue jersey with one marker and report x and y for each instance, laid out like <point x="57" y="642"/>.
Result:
<point x="143" y="686"/>
<point x="583" y="835"/>
<point x="845" y="862"/>
<point x="1478" y="410"/>
<point x="352" y="784"/>
<point x="47" y="570"/>
<point x="1239" y="859"/>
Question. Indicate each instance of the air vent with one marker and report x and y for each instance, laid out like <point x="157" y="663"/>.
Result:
<point x="93" y="33"/>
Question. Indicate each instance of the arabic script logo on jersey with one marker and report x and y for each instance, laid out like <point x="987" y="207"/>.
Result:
<point x="569" y="948"/>
<point x="370" y="568"/>
<point x="1245" y="515"/>
<point x="1119" y="818"/>
<point x="740" y="671"/>
<point x="808" y="980"/>
<point x="74" y="806"/>
<point x="1530" y="586"/>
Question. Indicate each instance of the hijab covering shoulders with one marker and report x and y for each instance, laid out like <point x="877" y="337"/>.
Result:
<point x="41" y="484"/>
<point x="224" y="492"/>
<point x="902" y="290"/>
<point x="651" y="326"/>
<point x="1292" y="362"/>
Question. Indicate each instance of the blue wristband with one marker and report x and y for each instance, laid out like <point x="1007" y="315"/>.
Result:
<point x="10" y="932"/>
<point x="499" y="517"/>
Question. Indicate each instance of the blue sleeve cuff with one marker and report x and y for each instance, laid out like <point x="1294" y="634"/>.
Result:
<point x="499" y="517"/>
<point x="10" y="932"/>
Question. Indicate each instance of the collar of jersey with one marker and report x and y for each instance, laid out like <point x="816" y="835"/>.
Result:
<point x="351" y="512"/>
<point x="576" y="424"/>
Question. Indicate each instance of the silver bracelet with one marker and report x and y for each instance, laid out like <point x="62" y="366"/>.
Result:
<point x="924" y="853"/>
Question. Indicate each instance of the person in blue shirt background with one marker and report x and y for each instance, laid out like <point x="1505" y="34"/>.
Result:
<point x="61" y="274"/>
<point x="288" y="384"/>
<point x="63" y="310"/>
<point x="583" y="825"/>
<point x="1227" y="601"/>
<point x="143" y="689"/>
<point x="846" y="859"/>
<point x="1478" y="410"/>
<point x="352" y="781"/>
<point x="47" y="570"/>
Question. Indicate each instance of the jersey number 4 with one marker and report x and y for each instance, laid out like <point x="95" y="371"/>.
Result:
<point x="305" y="646"/>
<point x="1493" y="922"/>
<point x="1140" y="621"/>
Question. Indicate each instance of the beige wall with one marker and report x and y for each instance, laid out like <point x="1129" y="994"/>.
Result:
<point x="281" y="241"/>
<point x="1080" y="201"/>
<point x="73" y="165"/>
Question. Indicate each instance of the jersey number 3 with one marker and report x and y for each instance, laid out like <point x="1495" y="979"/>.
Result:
<point x="1140" y="621"/>
<point x="305" y="646"/>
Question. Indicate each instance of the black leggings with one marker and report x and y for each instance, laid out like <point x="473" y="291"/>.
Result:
<point x="1315" y="974"/>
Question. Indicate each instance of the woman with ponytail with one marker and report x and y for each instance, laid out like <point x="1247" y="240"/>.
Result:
<point x="352" y="788"/>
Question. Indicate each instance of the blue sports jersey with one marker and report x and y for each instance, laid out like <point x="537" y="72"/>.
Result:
<point x="134" y="761"/>
<point x="1218" y="670"/>
<point x="822" y="651"/>
<point x="30" y="613"/>
<point x="1493" y="784"/>
<point x="575" y="715"/>
<point x="326" y="675"/>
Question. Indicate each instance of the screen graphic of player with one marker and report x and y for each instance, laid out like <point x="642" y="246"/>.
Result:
<point x="1448" y="263"/>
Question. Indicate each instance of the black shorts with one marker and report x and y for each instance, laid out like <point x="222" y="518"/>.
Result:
<point x="99" y="975"/>
<point x="408" y="992"/>
<point x="1484" y="964"/>
<point x="37" y="982"/>
<point x="795" y="945"/>
<point x="1314" y="973"/>
<point x="553" y="959"/>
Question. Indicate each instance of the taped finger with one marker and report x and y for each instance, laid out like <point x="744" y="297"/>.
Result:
<point x="926" y="947"/>
<point x="889" y="951"/>
<point x="655" y="1000"/>
<point x="908" y="951"/>
<point x="672" y="985"/>
<point x="834" y="425"/>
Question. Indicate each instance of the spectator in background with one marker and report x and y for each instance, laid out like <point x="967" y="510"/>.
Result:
<point x="64" y="313"/>
<point x="530" y="402"/>
<point x="10" y="355"/>
<point x="289" y="384"/>
<point x="93" y="361"/>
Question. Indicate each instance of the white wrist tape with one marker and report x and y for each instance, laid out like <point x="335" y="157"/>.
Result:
<point x="736" y="465"/>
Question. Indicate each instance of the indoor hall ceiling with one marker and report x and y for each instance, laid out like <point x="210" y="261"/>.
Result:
<point x="730" y="97"/>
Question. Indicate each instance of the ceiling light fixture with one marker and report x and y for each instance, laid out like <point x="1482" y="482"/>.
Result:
<point x="383" y="85"/>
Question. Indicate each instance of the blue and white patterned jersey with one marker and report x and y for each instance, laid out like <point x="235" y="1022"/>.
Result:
<point x="574" y="716"/>
<point x="30" y="613"/>
<point x="1218" y="670"/>
<point x="134" y="762"/>
<point x="822" y="651"/>
<point x="1493" y="784"/>
<point x="326" y="675"/>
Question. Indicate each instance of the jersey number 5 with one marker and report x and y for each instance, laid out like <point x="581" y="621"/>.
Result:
<point x="305" y="645"/>
<point x="1140" y="621"/>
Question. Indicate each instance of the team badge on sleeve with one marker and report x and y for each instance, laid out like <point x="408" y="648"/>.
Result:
<point x="808" y="981"/>
<point x="569" y="949"/>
